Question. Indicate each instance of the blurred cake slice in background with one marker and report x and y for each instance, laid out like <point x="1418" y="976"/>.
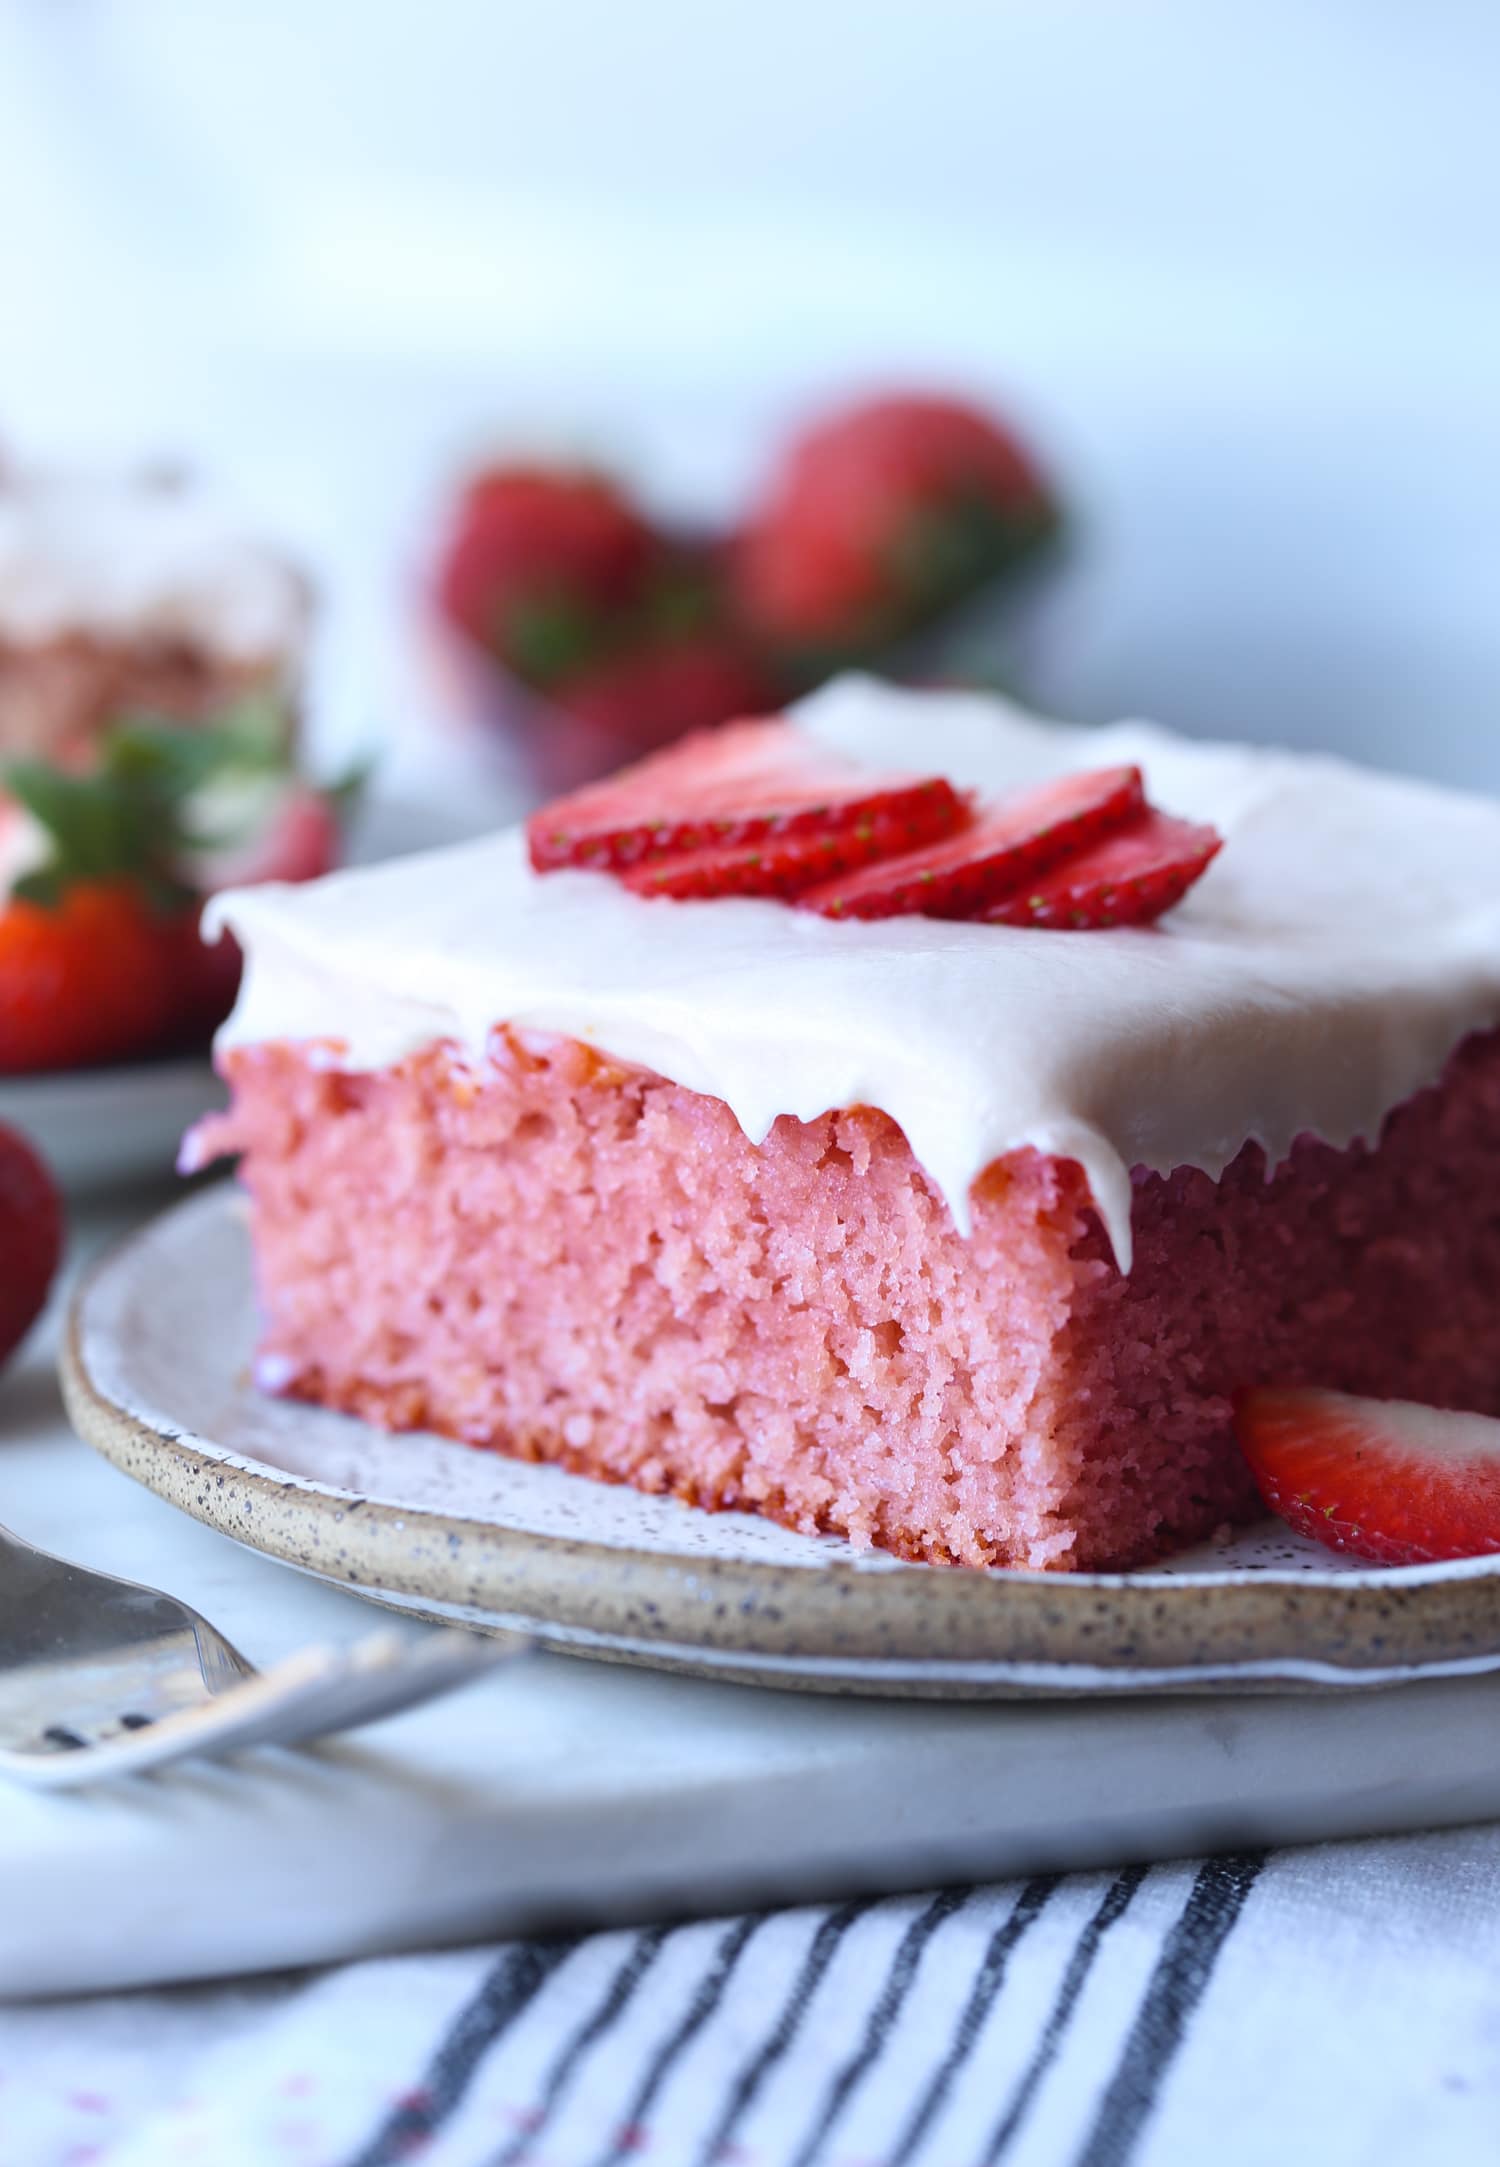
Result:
<point x="151" y="663"/>
<point x="136" y="593"/>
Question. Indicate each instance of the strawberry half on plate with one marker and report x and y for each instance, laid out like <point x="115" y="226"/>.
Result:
<point x="1382" y="1479"/>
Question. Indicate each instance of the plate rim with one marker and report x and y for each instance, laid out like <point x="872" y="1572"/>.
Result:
<point x="847" y="1622"/>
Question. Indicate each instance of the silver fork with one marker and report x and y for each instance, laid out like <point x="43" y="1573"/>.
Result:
<point x="99" y="1677"/>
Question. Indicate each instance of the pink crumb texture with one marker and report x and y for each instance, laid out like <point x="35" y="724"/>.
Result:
<point x="556" y="1257"/>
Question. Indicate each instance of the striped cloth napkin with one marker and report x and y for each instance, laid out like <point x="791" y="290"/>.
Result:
<point x="1339" y="2005"/>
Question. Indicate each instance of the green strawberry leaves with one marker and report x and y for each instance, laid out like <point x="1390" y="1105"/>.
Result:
<point x="96" y="832"/>
<point x="131" y="817"/>
<point x="551" y="636"/>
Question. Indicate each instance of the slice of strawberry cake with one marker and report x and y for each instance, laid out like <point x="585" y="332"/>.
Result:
<point x="910" y="1119"/>
<point x="134" y="594"/>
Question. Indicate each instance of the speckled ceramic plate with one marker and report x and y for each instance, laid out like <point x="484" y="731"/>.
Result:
<point x="156" y="1376"/>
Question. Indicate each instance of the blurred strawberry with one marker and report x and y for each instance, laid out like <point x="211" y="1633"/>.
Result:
<point x="541" y="567"/>
<point x="278" y="828"/>
<point x="879" y="518"/>
<point x="288" y="830"/>
<point x="648" y="698"/>
<point x="85" y="977"/>
<point x="100" y="888"/>
<point x="31" y="1230"/>
<point x="303" y="842"/>
<point x="205" y="978"/>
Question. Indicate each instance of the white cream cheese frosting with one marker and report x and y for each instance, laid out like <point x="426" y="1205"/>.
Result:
<point x="121" y="556"/>
<point x="1341" y="945"/>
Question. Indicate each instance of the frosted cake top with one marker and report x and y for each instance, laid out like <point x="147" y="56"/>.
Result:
<point x="1342" y="944"/>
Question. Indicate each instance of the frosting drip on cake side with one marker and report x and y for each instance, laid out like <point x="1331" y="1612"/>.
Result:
<point x="1342" y="944"/>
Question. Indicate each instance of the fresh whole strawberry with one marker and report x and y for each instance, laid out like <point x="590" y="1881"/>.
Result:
<point x="743" y="786"/>
<point x="305" y="841"/>
<point x="31" y="1231"/>
<point x="85" y="978"/>
<point x="99" y="954"/>
<point x="286" y="830"/>
<point x="652" y="696"/>
<point x="542" y="567"/>
<point x="295" y="834"/>
<point x="879" y="518"/>
<point x="205" y="978"/>
<point x="1382" y="1479"/>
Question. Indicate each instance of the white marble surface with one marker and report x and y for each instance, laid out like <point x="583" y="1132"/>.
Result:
<point x="566" y="1789"/>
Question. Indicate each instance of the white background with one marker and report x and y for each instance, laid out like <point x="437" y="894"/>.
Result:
<point x="1236" y="265"/>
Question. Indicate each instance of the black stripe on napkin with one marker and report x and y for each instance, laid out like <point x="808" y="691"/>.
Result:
<point x="747" y="2085"/>
<point x="988" y="1981"/>
<point x="882" y="2018"/>
<point x="710" y="1991"/>
<point x="567" y="2062"/>
<point x="1112" y="1906"/>
<point x="508" y="1987"/>
<point x="1176" y="1987"/>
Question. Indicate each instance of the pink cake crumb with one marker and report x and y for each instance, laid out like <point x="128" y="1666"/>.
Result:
<point x="563" y="1259"/>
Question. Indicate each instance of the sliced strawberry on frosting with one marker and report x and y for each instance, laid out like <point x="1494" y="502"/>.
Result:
<point x="781" y="865"/>
<point x="1009" y="842"/>
<point x="1129" y="878"/>
<point x="743" y="785"/>
<point x="1382" y="1479"/>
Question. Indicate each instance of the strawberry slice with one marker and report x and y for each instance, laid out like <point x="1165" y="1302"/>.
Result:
<point x="781" y="865"/>
<point x="1382" y="1479"/>
<point x="739" y="785"/>
<point x="1129" y="878"/>
<point x="1008" y="843"/>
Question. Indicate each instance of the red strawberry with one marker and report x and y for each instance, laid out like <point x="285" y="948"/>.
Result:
<point x="295" y="834"/>
<point x="540" y="563"/>
<point x="661" y="693"/>
<point x="99" y="955"/>
<point x="205" y="978"/>
<point x="300" y="840"/>
<point x="780" y="865"/>
<point x="1009" y="842"/>
<point x="880" y="516"/>
<point x="31" y="1228"/>
<point x="1128" y="879"/>
<point x="739" y="785"/>
<point x="305" y="840"/>
<point x="1383" y="1479"/>
<point x="88" y="978"/>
